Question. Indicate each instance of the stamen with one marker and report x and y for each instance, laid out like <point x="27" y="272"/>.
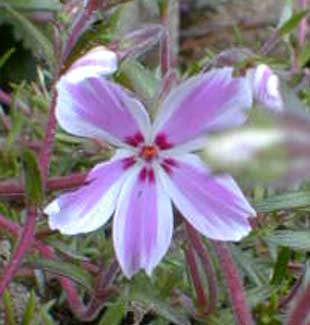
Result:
<point x="151" y="176"/>
<point x="143" y="174"/>
<point x="148" y="153"/>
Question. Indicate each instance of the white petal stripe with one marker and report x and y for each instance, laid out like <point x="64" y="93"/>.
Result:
<point x="142" y="225"/>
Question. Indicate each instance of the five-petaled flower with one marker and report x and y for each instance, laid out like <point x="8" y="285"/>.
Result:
<point x="155" y="165"/>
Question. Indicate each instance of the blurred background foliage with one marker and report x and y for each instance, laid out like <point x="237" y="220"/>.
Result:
<point x="272" y="260"/>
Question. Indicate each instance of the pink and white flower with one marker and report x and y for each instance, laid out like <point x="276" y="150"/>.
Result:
<point x="98" y="61"/>
<point x="266" y="87"/>
<point x="155" y="165"/>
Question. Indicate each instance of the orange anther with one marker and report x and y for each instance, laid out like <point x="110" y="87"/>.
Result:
<point x="148" y="152"/>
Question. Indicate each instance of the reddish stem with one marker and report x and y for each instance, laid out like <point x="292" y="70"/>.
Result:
<point x="66" y="182"/>
<point x="79" y="25"/>
<point x="9" y="226"/>
<point x="27" y="235"/>
<point x="101" y="293"/>
<point x="301" y="309"/>
<point x="303" y="25"/>
<point x="207" y="265"/>
<point x="168" y="58"/>
<point x="81" y="311"/>
<point x="25" y="242"/>
<point x="47" y="252"/>
<point x="236" y="292"/>
<point x="77" y="28"/>
<point x="193" y="268"/>
<point x="54" y="183"/>
<point x="164" y="54"/>
<point x="270" y="43"/>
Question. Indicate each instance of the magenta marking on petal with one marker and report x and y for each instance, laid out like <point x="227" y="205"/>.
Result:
<point x="147" y="174"/>
<point x="168" y="164"/>
<point x="85" y="108"/>
<point x="135" y="140"/>
<point x="171" y="162"/>
<point x="161" y="141"/>
<point x="128" y="162"/>
<point x="143" y="174"/>
<point x="167" y="168"/>
<point x="212" y="101"/>
<point x="151" y="176"/>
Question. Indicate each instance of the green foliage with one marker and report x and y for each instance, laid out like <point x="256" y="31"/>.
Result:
<point x="298" y="240"/>
<point x="29" y="313"/>
<point x="9" y="308"/>
<point x="140" y="79"/>
<point x="32" y="176"/>
<point x="142" y="292"/>
<point x="292" y="23"/>
<point x="44" y="314"/>
<point x="36" y="5"/>
<point x="280" y="234"/>
<point x="280" y="267"/>
<point x="72" y="271"/>
<point x="284" y="201"/>
<point x="32" y="36"/>
<point x="17" y="119"/>
<point x="5" y="57"/>
<point x="114" y="313"/>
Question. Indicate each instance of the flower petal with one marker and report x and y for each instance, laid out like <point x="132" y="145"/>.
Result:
<point x="143" y="223"/>
<point x="215" y="206"/>
<point x="89" y="207"/>
<point x="212" y="101"/>
<point x="266" y="87"/>
<point x="96" y="62"/>
<point x="100" y="109"/>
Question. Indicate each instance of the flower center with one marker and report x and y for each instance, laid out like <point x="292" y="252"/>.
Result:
<point x="148" y="152"/>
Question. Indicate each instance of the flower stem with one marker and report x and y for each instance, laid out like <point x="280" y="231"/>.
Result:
<point x="193" y="268"/>
<point x="302" y="25"/>
<point x="237" y="297"/>
<point x="270" y="43"/>
<point x="27" y="235"/>
<point x="300" y="311"/>
<point x="66" y="182"/>
<point x="24" y="243"/>
<point x="100" y="294"/>
<point x="207" y="265"/>
<point x="8" y="188"/>
<point x="46" y="251"/>
<point x="104" y="279"/>
<point x="169" y="16"/>
<point x="78" y="26"/>
<point x="102" y="290"/>
<point x="9" y="226"/>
